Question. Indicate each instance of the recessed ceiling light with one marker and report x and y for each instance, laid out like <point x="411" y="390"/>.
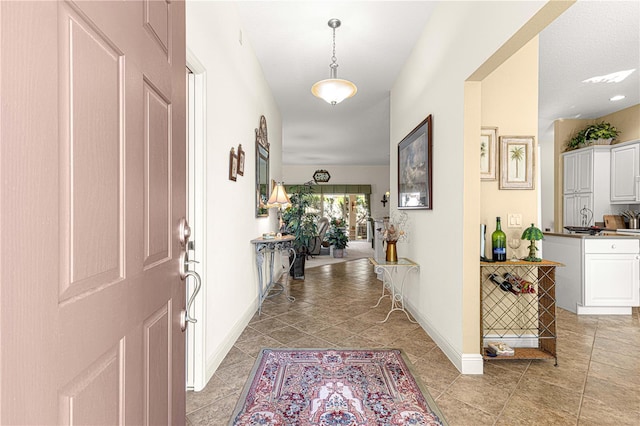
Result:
<point x="614" y="77"/>
<point x="617" y="98"/>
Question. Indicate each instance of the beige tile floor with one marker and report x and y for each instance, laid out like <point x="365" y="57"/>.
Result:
<point x="597" y="381"/>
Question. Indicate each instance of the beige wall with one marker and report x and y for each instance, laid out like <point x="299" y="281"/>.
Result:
<point x="510" y="103"/>
<point x="625" y="120"/>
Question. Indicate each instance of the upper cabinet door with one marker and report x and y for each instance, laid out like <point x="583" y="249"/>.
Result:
<point x="584" y="178"/>
<point x="578" y="172"/>
<point x="570" y="171"/>
<point x="625" y="172"/>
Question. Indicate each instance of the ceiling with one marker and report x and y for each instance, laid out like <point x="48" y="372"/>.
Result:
<point x="592" y="38"/>
<point x="293" y="44"/>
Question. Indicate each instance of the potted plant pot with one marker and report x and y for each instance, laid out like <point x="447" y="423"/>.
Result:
<point x="297" y="270"/>
<point x="301" y="225"/>
<point x="337" y="238"/>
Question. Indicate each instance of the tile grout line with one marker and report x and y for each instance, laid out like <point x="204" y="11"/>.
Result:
<point x="586" y="378"/>
<point x="512" y="393"/>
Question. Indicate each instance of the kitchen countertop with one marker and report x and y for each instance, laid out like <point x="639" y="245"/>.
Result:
<point x="603" y="234"/>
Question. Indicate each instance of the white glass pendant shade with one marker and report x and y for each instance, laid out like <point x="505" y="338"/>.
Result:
<point x="334" y="90"/>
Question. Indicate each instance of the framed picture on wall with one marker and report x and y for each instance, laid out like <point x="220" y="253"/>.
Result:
<point x="240" y="160"/>
<point x="414" y="168"/>
<point x="488" y="153"/>
<point x="516" y="162"/>
<point x="233" y="165"/>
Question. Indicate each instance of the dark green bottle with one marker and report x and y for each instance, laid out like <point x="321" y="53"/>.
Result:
<point x="499" y="243"/>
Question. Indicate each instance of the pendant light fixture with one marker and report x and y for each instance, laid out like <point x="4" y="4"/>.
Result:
<point x="334" y="90"/>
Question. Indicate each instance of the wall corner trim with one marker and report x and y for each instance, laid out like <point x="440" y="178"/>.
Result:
<point x="472" y="364"/>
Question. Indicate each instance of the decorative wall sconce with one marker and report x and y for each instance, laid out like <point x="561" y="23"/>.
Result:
<point x="385" y="199"/>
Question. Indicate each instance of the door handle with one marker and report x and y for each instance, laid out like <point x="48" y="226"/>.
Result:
<point x="185" y="316"/>
<point x="184" y="264"/>
<point x="185" y="273"/>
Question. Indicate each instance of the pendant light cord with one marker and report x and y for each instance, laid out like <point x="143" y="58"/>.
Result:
<point x="334" y="61"/>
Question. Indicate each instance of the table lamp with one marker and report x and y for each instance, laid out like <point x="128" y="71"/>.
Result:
<point x="279" y="198"/>
<point x="532" y="234"/>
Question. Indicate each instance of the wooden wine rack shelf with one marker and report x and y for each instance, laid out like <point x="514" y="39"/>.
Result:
<point x="520" y="320"/>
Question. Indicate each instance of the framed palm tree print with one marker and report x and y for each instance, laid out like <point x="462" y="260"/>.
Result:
<point x="488" y="153"/>
<point x="516" y="162"/>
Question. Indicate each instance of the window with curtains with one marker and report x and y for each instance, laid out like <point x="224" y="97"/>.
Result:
<point x="350" y="203"/>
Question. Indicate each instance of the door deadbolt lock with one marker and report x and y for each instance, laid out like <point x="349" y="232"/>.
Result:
<point x="184" y="232"/>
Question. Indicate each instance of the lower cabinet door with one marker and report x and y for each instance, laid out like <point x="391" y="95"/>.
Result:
<point x="612" y="280"/>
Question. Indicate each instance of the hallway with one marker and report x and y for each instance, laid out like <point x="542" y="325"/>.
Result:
<point x="597" y="380"/>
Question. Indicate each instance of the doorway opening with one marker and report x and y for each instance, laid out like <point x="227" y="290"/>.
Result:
<point x="352" y="209"/>
<point x="196" y="202"/>
<point x="349" y="203"/>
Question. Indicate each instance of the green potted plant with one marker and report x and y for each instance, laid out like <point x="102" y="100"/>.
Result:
<point x="602" y="133"/>
<point x="337" y="238"/>
<point x="301" y="224"/>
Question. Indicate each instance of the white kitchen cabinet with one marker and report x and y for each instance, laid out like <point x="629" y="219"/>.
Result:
<point x="611" y="272"/>
<point x="601" y="274"/>
<point x="573" y="209"/>
<point x="625" y="173"/>
<point x="586" y="184"/>
<point x="578" y="171"/>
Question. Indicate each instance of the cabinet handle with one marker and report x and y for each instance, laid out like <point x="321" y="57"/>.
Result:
<point x="613" y="246"/>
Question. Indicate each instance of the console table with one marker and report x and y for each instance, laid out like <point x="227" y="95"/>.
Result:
<point x="387" y="269"/>
<point x="268" y="247"/>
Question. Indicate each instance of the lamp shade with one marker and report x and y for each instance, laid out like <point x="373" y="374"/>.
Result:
<point x="278" y="196"/>
<point x="532" y="234"/>
<point x="334" y="90"/>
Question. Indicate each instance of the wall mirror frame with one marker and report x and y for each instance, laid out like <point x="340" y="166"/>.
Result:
<point x="262" y="169"/>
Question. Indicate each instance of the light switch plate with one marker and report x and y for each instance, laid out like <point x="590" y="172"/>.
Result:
<point x="514" y="220"/>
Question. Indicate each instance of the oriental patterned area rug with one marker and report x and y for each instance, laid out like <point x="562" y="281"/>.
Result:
<point x="334" y="387"/>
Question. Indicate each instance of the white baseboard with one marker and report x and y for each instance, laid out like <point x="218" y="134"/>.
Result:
<point x="472" y="364"/>
<point x="214" y="361"/>
<point x="604" y="310"/>
<point x="465" y="363"/>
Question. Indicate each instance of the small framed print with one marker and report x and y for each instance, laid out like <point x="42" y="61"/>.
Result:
<point x="233" y="165"/>
<point x="240" y="160"/>
<point x="516" y="162"/>
<point x="488" y="153"/>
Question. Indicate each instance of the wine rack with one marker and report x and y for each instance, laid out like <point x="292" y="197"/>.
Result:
<point x="525" y="321"/>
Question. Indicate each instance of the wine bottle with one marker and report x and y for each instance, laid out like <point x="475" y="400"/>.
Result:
<point x="499" y="243"/>
<point x="515" y="281"/>
<point x="502" y="283"/>
<point x="520" y="284"/>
